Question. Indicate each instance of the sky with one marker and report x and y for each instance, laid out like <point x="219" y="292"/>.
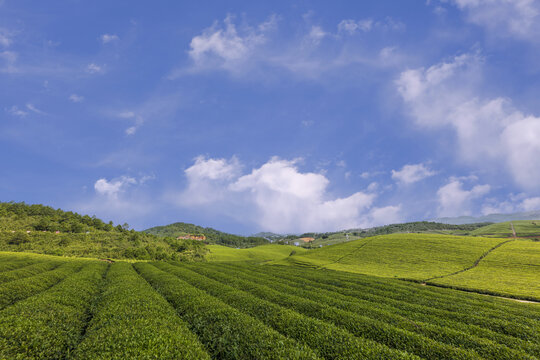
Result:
<point x="283" y="116"/>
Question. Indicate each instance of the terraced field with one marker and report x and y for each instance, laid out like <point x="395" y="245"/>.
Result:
<point x="83" y="309"/>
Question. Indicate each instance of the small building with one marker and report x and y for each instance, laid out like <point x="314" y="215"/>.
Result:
<point x="192" y="237"/>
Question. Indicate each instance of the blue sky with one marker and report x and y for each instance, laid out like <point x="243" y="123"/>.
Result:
<point x="285" y="116"/>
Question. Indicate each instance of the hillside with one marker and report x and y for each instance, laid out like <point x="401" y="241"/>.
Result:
<point x="420" y="227"/>
<point x="487" y="264"/>
<point x="259" y="254"/>
<point x="523" y="228"/>
<point x="213" y="236"/>
<point x="42" y="229"/>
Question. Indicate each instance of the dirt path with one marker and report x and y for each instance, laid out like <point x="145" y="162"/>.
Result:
<point x="473" y="265"/>
<point x="513" y="231"/>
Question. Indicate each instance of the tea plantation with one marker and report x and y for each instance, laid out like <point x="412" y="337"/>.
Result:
<point x="61" y="308"/>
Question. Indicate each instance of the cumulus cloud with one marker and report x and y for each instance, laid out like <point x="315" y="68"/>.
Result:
<point x="228" y="46"/>
<point x="279" y="197"/>
<point x="515" y="18"/>
<point x="412" y="173"/>
<point x="114" y="187"/>
<point x="76" y="98"/>
<point x="242" y="49"/>
<point x="122" y="198"/>
<point x="531" y="204"/>
<point x="107" y="38"/>
<point x="454" y="200"/>
<point x="514" y="203"/>
<point x="489" y="131"/>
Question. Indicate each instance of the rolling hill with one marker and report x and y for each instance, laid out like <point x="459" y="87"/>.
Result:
<point x="262" y="253"/>
<point x="42" y="229"/>
<point x="213" y="236"/>
<point x="495" y="265"/>
<point x="523" y="228"/>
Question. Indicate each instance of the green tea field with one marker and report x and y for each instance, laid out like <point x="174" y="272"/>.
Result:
<point x="53" y="307"/>
<point x="523" y="228"/>
<point x="507" y="267"/>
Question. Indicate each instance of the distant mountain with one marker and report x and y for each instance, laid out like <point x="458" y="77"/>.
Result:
<point x="213" y="236"/>
<point x="269" y="235"/>
<point x="494" y="218"/>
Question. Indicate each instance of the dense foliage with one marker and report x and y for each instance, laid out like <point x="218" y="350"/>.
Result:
<point x="78" y="309"/>
<point x="212" y="236"/>
<point x="42" y="229"/>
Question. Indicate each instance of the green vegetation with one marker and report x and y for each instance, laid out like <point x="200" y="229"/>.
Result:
<point x="414" y="256"/>
<point x="258" y="254"/>
<point x="489" y="265"/>
<point x="523" y="228"/>
<point x="419" y="227"/>
<point x="54" y="307"/>
<point x="42" y="229"/>
<point x="133" y="321"/>
<point x="511" y="270"/>
<point x="212" y="236"/>
<point x="55" y="318"/>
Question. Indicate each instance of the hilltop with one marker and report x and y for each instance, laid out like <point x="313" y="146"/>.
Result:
<point x="42" y="229"/>
<point x="213" y="236"/>
<point x="420" y="227"/>
<point x="492" y="218"/>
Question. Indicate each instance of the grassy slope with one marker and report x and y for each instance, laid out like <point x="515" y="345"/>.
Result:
<point x="522" y="227"/>
<point x="414" y="256"/>
<point x="258" y="253"/>
<point x="512" y="269"/>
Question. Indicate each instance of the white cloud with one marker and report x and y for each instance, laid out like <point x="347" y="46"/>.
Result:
<point x="107" y="38"/>
<point x="213" y="169"/>
<point x="260" y="51"/>
<point x="34" y="109"/>
<point x="228" y="47"/>
<point x="113" y="188"/>
<point x="531" y="204"/>
<point x="412" y="173"/>
<point x="278" y="197"/>
<point x="121" y="199"/>
<point x="5" y="38"/>
<point x="516" y="18"/>
<point x="9" y="58"/>
<point x="317" y="34"/>
<point x="456" y="201"/>
<point x="489" y="132"/>
<point x="139" y="121"/>
<point x="76" y="98"/>
<point x="353" y="26"/>
<point x="14" y="110"/>
<point x="94" y="69"/>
